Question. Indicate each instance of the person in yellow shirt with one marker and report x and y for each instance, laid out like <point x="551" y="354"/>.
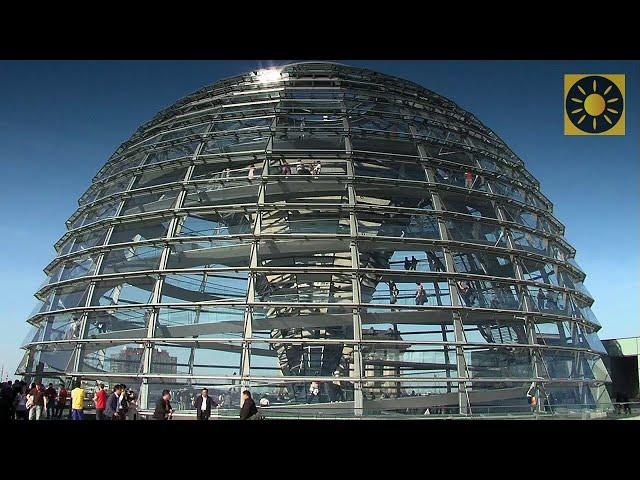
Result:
<point x="77" y="402"/>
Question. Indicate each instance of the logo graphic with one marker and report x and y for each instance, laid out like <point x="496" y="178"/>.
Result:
<point x="593" y="104"/>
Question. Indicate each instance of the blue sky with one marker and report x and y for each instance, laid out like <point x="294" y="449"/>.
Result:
<point x="59" y="121"/>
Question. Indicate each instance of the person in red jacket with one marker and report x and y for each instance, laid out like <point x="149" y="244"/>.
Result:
<point x="100" y="400"/>
<point x="62" y="401"/>
<point x="468" y="179"/>
<point x="51" y="395"/>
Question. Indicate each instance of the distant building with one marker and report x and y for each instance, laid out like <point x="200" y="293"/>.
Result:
<point x="624" y="368"/>
<point x="121" y="362"/>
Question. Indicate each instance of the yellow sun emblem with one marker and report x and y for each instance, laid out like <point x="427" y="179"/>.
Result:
<point x="594" y="104"/>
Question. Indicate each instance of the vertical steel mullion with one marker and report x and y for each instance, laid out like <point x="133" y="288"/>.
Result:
<point x="83" y="322"/>
<point x="247" y="331"/>
<point x="458" y="328"/>
<point x="428" y="172"/>
<point x="79" y="348"/>
<point x="155" y="299"/>
<point x="356" y="375"/>
<point x="529" y="319"/>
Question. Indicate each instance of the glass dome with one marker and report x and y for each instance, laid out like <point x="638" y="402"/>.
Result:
<point x="321" y="223"/>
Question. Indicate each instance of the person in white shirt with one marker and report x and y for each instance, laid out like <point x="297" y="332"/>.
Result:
<point x="264" y="402"/>
<point x="421" y="294"/>
<point x="204" y="403"/>
<point x="314" y="392"/>
<point x="250" y="175"/>
<point x="317" y="168"/>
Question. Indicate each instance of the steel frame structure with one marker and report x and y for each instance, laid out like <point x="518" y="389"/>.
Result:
<point x="196" y="258"/>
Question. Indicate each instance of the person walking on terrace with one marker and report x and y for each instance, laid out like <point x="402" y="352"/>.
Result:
<point x="249" y="409"/>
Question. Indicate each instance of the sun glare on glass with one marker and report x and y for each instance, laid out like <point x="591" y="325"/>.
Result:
<point x="268" y="75"/>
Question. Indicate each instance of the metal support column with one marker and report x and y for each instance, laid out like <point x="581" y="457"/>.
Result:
<point x="358" y="366"/>
<point x="458" y="328"/>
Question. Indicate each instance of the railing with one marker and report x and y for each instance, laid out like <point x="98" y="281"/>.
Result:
<point x="618" y="410"/>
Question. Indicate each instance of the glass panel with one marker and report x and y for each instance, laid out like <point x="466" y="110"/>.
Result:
<point x="221" y="174"/>
<point x="496" y="331"/>
<point x="171" y="152"/>
<point x="403" y="360"/>
<point x="151" y="178"/>
<point x="476" y="206"/>
<point x="529" y="219"/>
<point x="549" y="301"/>
<point x="237" y="124"/>
<point x="533" y="200"/>
<point x="508" y="190"/>
<point x="34" y="335"/>
<point x="487" y="362"/>
<point x="209" y="254"/>
<point x="294" y="358"/>
<point x="216" y="224"/>
<point x="84" y="241"/>
<point x="449" y="153"/>
<point x="372" y="143"/>
<point x="291" y="322"/>
<point x="539" y="272"/>
<point x="304" y="253"/>
<point x="403" y="289"/>
<point x="204" y="287"/>
<point x="294" y="139"/>
<point x="529" y="242"/>
<point x="225" y="392"/>
<point x="104" y="358"/>
<point x="476" y="232"/>
<point x="304" y="288"/>
<point x="139" y="231"/>
<point x="54" y="358"/>
<point x="562" y="364"/>
<point x="201" y="322"/>
<point x="181" y="133"/>
<point x="149" y="202"/>
<point x="569" y="280"/>
<point x="481" y="263"/>
<point x="130" y="160"/>
<point x="310" y="189"/>
<point x="102" y="322"/>
<point x="379" y="124"/>
<point x="398" y="225"/>
<point x="488" y="294"/>
<point x="427" y="259"/>
<point x="206" y="359"/>
<point x="78" y="267"/>
<point x="119" y="185"/>
<point x="131" y="259"/>
<point x="63" y="326"/>
<point x="406" y="325"/>
<point x="557" y="252"/>
<point x="218" y="194"/>
<point x="371" y="192"/>
<point x="131" y="291"/>
<point x="97" y="213"/>
<point x="66" y="297"/>
<point x="581" y="309"/>
<point x="321" y="167"/>
<point x="305" y="221"/>
<point x="490" y="164"/>
<point x="449" y="176"/>
<point x="389" y="168"/>
<point x="595" y="343"/>
<point x="244" y="142"/>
